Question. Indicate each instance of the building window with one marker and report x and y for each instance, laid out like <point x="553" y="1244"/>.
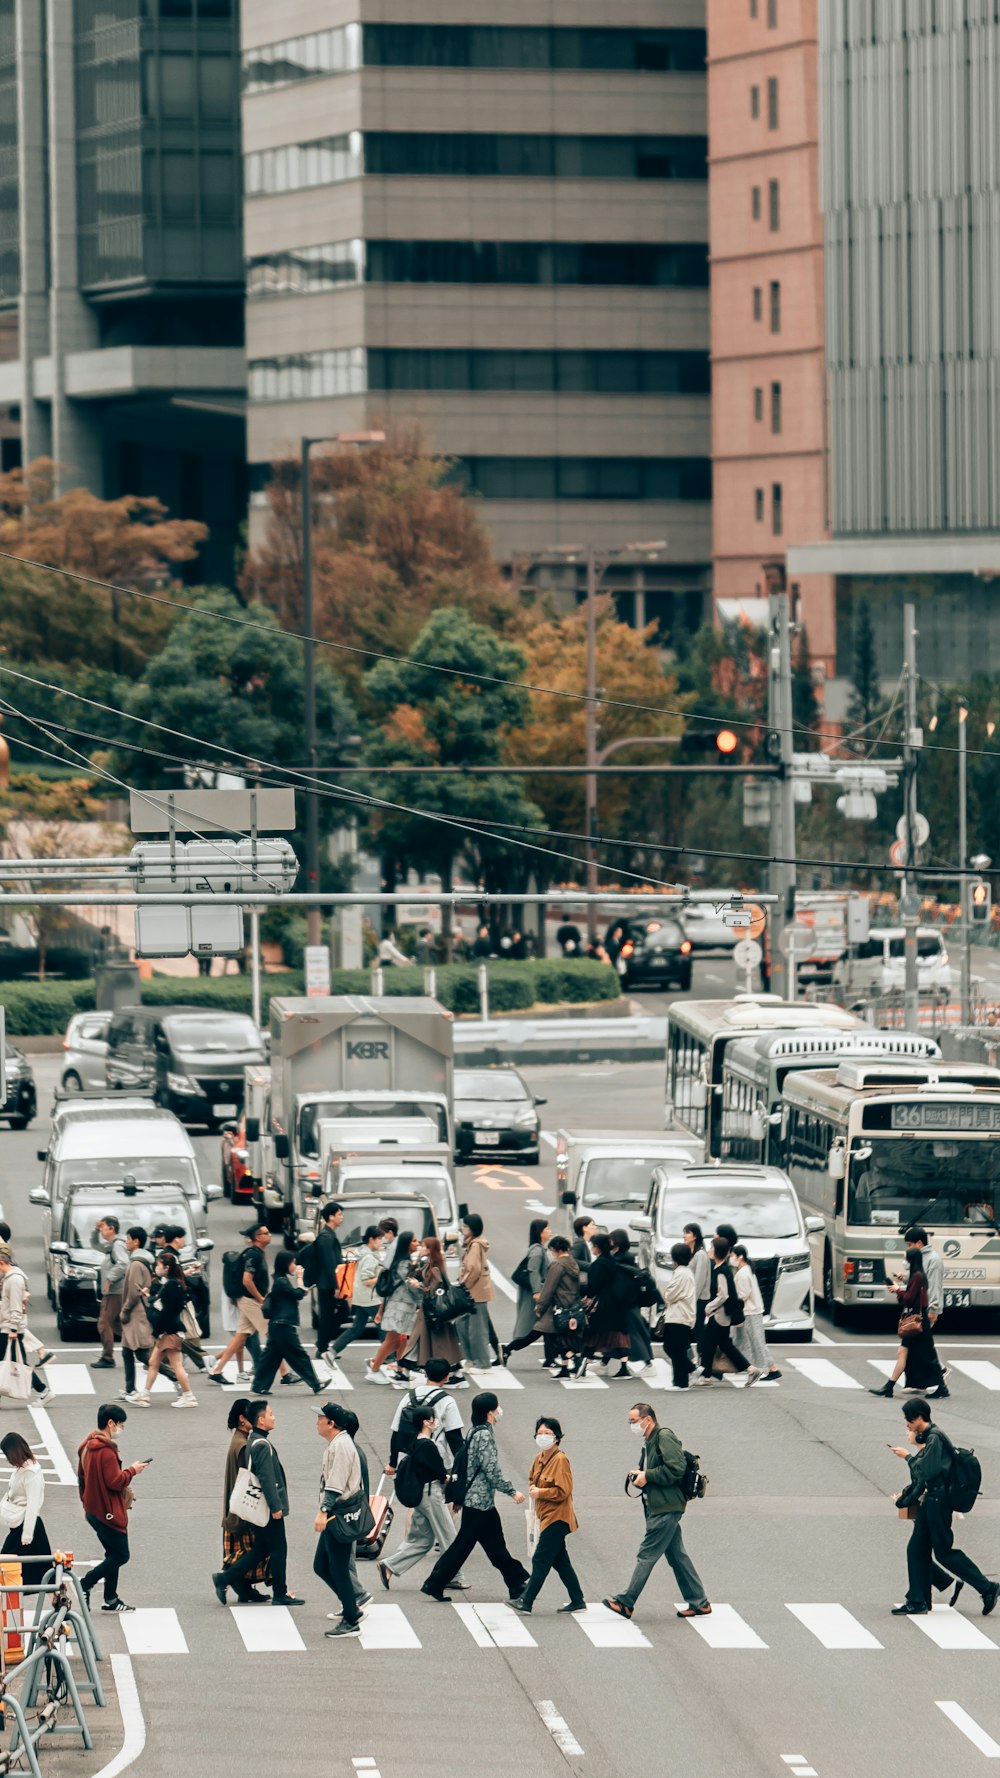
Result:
<point x="297" y="166"/>
<point x="758" y="503"/>
<point x="773" y="206"/>
<point x="755" y="203"/>
<point x="772" y="15"/>
<point x="588" y="478"/>
<point x="775" y="407"/>
<point x="758" y="404"/>
<point x="298" y="271"/>
<point x="753" y="9"/>
<point x="569" y="373"/>
<point x="775" y="306"/>
<point x="758" y="302"/>
<point x="307" y="376"/>
<point x="342" y="48"/>
<point x="772" y="104"/>
<point x="777" y="509"/>
<point x="755" y="101"/>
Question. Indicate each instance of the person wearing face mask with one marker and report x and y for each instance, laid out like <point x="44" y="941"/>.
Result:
<point x="480" y="1519"/>
<point x="165" y="1316"/>
<point x="550" y="1487"/>
<point x="658" y="1479"/>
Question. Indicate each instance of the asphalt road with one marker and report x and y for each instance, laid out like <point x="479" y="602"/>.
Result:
<point x="797" y="1542"/>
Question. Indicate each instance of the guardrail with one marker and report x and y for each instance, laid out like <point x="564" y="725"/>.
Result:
<point x="60" y="1611"/>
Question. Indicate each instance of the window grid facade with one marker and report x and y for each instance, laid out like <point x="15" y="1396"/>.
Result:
<point x="304" y="270"/>
<point x="297" y="166"/>
<point x="309" y="375"/>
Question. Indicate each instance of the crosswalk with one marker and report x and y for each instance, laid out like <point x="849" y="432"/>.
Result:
<point x="276" y="1630"/>
<point x="850" y="1370"/>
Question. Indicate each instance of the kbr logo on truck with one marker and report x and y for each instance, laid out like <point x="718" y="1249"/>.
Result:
<point x="368" y="1051"/>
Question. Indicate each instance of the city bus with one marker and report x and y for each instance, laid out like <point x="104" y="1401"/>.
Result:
<point x="755" y="1069"/>
<point x="698" y="1035"/>
<point x="874" y="1148"/>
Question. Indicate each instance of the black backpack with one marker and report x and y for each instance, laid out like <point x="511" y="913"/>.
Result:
<point x="694" y="1485"/>
<point x="307" y="1258"/>
<point x="457" y="1485"/>
<point x="734" y="1302"/>
<point x="232" y="1275"/>
<point x="647" y="1294"/>
<point x="965" y="1480"/>
<point x="625" y="1289"/>
<point x="409" y="1487"/>
<point x="406" y="1431"/>
<point x="386" y="1282"/>
<point x="521" y="1276"/>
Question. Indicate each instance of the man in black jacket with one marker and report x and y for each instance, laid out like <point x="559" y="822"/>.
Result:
<point x="269" y="1539"/>
<point x="722" y="1312"/>
<point x="931" y="1557"/>
<point x="640" y="1346"/>
<point x="328" y="1257"/>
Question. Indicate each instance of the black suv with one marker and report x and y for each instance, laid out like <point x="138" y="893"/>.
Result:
<point x="74" y="1260"/>
<point x="19" y="1101"/>
<point x="650" y="953"/>
<point x="192" y="1056"/>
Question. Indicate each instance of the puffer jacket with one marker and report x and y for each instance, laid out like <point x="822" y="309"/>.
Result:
<point x="475" y="1269"/>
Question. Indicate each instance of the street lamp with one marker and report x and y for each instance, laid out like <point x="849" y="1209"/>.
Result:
<point x="314" y="915"/>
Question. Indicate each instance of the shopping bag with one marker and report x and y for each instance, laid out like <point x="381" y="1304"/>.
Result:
<point x="247" y="1498"/>
<point x="15" y="1373"/>
<point x="230" y="1315"/>
<point x="533" y="1528"/>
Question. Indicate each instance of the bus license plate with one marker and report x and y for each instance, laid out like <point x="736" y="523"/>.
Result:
<point x="958" y="1299"/>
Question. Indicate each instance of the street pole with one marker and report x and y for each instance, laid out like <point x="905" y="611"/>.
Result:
<point x="781" y="876"/>
<point x="911" y="903"/>
<point x="314" y="930"/>
<point x="255" y="964"/>
<point x="963" y="853"/>
<point x="590" y="824"/>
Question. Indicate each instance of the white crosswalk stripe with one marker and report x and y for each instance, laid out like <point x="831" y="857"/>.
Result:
<point x="494" y="1626"/>
<point x="978" y="1371"/>
<point x="834" y="1626"/>
<point x="153" y="1631"/>
<point x="266" y="1630"/>
<point x="824" y="1373"/>
<point x="387" y="1626"/>
<point x="724" y="1628"/>
<point x="949" y="1629"/>
<point x="605" y="1629"/>
<point x="497" y="1377"/>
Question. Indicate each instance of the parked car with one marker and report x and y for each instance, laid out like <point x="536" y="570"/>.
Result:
<point x="193" y="1058"/>
<point x="495" y="1113"/>
<point x="651" y="953"/>
<point x="72" y="1261"/>
<point x="85" y="1046"/>
<point x="704" y="925"/>
<point x="20" y="1099"/>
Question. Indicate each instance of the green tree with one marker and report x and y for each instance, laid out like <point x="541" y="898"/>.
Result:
<point x="454" y="718"/>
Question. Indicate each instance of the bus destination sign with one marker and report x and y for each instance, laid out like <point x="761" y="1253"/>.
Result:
<point x="960" y="1115"/>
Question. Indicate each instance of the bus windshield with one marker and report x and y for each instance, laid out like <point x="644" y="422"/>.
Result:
<point x="618" y="1182"/>
<point x="936" y="1181"/>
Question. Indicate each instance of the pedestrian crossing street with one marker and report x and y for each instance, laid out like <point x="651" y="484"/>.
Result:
<point x="274" y="1629"/>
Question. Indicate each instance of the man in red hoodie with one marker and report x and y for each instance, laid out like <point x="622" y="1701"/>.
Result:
<point x="105" y="1490"/>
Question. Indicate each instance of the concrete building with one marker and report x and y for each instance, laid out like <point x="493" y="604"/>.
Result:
<point x="121" y="251"/>
<point x="911" y="205"/>
<point x="498" y="230"/>
<point x="768" y="360"/>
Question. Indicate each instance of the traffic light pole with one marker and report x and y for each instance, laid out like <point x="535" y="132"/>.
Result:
<point x="781" y="872"/>
<point x="963" y="853"/>
<point x="911" y="754"/>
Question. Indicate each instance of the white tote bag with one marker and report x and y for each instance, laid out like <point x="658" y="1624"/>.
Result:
<point x="15" y="1372"/>
<point x="533" y="1529"/>
<point x="247" y="1498"/>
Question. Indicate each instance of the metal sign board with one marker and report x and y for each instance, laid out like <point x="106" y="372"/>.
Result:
<point x="316" y="959"/>
<point x="960" y="1115"/>
<point x="212" y="811"/>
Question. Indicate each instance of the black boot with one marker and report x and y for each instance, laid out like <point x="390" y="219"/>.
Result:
<point x="886" y="1390"/>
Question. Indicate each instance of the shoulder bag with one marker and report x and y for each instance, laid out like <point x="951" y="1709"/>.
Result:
<point x="247" y="1498"/>
<point x="349" y="1516"/>
<point x="910" y="1324"/>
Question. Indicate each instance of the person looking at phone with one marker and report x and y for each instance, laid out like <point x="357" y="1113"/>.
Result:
<point x="106" y="1493"/>
<point x="931" y="1557"/>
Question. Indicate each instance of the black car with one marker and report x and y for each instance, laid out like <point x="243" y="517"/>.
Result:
<point x="495" y="1114"/>
<point x="192" y="1057"/>
<point x="75" y="1262"/>
<point x="20" y="1100"/>
<point x="650" y="953"/>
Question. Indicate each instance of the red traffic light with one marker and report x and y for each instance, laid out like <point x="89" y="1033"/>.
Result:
<point x="726" y="741"/>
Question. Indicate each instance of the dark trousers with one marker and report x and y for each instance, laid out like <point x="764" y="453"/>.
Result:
<point x="270" y="1541"/>
<point x="330" y="1309"/>
<point x="550" y="1346"/>
<point x="333" y="1565"/>
<point x="116" y="1553"/>
<point x="676" y="1340"/>
<point x="640" y="1345"/>
<point x="719" y="1339"/>
<point x="38" y="1552"/>
<point x="353" y="1331"/>
<point x="485" y="1530"/>
<point x="284" y="1343"/>
<point x="931" y="1557"/>
<point x="108" y="1325"/>
<point x="551" y="1552"/>
<point x="129" y="1356"/>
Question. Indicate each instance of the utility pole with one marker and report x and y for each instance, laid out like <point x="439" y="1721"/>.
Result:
<point x="590" y="825"/>
<point x="963" y="854"/>
<point x="911" y="754"/>
<point x="781" y="876"/>
<point x="314" y="919"/>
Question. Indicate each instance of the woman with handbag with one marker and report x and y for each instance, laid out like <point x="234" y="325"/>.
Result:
<point x="528" y="1276"/>
<point x="237" y="1534"/>
<point x="344" y="1514"/>
<point x="558" y="1297"/>
<point x="21" y="1508"/>
<point x="433" y="1338"/>
<point x="550" y="1490"/>
<point x="914" y="1325"/>
<point x="17" y="1380"/>
<point x="607" y="1337"/>
<point x="166" y="1318"/>
<point x="400" y="1301"/>
<point x="281" y="1312"/>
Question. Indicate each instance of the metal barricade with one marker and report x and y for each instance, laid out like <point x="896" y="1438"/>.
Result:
<point x="60" y="1611"/>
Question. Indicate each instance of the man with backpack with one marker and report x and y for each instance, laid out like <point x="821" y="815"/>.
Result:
<point x="421" y="1472"/>
<point x="723" y="1311"/>
<point x="660" y="1478"/>
<point x="943" y="1480"/>
<point x="245" y="1282"/>
<point x="325" y="1256"/>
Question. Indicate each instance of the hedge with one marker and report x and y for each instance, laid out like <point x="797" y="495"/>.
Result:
<point x="45" y="1008"/>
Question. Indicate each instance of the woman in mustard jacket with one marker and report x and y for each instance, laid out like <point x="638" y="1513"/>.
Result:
<point x="550" y="1489"/>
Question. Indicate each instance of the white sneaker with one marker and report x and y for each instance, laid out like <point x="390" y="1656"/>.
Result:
<point x="371" y="1376"/>
<point x="140" y="1401"/>
<point x="184" y="1401"/>
<point x="41" y="1396"/>
<point x="703" y="1382"/>
<point x="753" y="1375"/>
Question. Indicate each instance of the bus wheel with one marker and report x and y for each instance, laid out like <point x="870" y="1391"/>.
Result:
<point x="835" y="1309"/>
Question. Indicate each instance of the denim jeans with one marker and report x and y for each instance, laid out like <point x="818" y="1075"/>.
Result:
<point x="474" y="1336"/>
<point x="663" y="1538"/>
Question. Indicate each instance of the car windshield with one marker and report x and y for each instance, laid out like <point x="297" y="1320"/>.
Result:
<point x="157" y="1170"/>
<point x="614" y="1182"/>
<point x="660" y="933"/>
<point x="360" y="1213"/>
<point x="755" y="1214"/>
<point x="433" y="1188"/>
<point x="939" y="1181"/>
<point x="234" y="1032"/>
<point x="318" y="1110"/>
<point x="498" y="1087"/>
<point x="147" y="1211"/>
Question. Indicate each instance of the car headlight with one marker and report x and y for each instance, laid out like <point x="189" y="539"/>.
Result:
<point x="70" y="1270"/>
<point x="662" y="1256"/>
<point x="794" y="1262"/>
<point x="524" y="1117"/>
<point x="179" y="1083"/>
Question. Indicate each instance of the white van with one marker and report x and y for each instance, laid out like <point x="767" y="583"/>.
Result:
<point x="879" y="963"/>
<point x="762" y="1206"/>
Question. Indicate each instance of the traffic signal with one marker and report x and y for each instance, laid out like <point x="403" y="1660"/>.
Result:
<point x="727" y="742"/>
<point x="712" y="746"/>
<point x="980" y="899"/>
